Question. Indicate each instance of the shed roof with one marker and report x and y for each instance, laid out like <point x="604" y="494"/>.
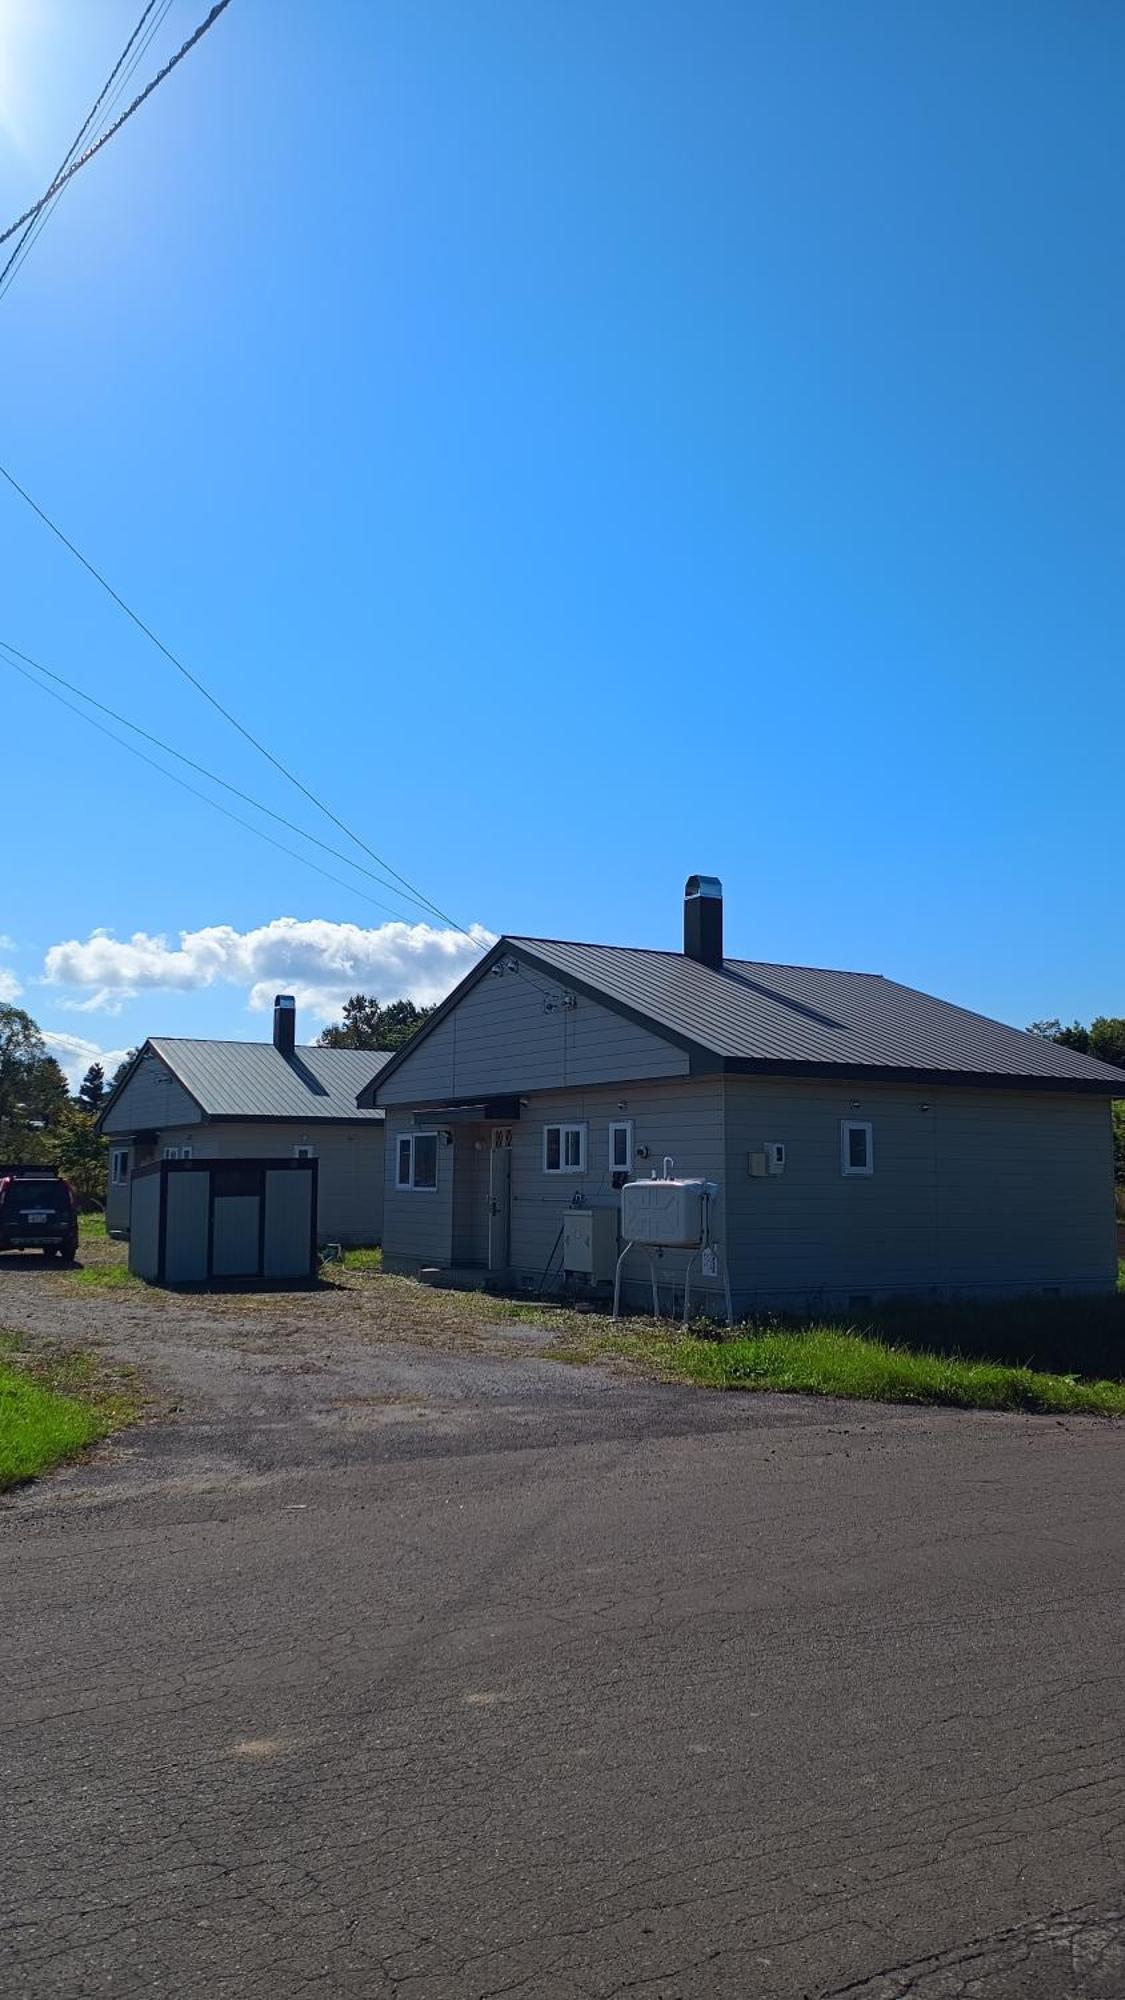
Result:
<point x="254" y="1079"/>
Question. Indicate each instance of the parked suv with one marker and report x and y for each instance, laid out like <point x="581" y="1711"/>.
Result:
<point x="38" y="1212"/>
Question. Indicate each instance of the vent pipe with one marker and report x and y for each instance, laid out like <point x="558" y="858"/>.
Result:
<point x="703" y="920"/>
<point x="284" y="1023"/>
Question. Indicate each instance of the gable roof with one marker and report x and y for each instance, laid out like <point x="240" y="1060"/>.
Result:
<point x="799" y="1020"/>
<point x="254" y="1079"/>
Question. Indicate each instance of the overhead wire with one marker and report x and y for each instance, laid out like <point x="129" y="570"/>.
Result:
<point x="60" y="181"/>
<point x="181" y="756"/>
<point x="39" y="222"/>
<point x="221" y="709"/>
<point x="248" y="826"/>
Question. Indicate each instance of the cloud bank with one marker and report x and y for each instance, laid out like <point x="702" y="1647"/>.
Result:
<point x="74" y="1056"/>
<point x="10" y="988"/>
<point x="321" y="963"/>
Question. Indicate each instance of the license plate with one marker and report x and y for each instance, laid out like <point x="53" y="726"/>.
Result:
<point x="35" y="1215"/>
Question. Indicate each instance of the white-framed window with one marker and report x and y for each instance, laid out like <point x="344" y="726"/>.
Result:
<point x="621" y="1146"/>
<point x="119" y="1166"/>
<point x="302" y="1152"/>
<point x="564" y="1149"/>
<point x="185" y="1152"/>
<point x="416" y="1162"/>
<point x="857" y="1147"/>
<point x="171" y="1152"/>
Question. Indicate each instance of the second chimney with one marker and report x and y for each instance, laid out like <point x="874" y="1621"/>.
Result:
<point x="703" y="920"/>
<point x="284" y="1023"/>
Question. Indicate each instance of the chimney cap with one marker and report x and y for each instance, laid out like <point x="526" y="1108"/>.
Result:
<point x="703" y="885"/>
<point x="284" y="1000"/>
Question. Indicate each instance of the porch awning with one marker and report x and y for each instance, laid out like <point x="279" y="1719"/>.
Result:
<point x="491" y="1110"/>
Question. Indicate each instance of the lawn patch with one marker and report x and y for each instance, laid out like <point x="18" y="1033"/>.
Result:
<point x="369" y="1261"/>
<point x="52" y="1408"/>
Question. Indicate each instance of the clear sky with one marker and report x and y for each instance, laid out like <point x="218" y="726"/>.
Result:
<point x="590" y="440"/>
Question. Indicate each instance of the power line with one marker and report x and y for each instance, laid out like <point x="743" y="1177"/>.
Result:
<point x="170" y="750"/>
<point x="39" y="222"/>
<point x="76" y="166"/>
<point x="213" y="803"/>
<point x="216" y="704"/>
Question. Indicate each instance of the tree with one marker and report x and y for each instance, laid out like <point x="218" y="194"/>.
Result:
<point x="79" y="1153"/>
<point x="1107" y="1039"/>
<point x="368" y="1025"/>
<point x="91" y="1090"/>
<point x="33" y="1089"/>
<point x="122" y="1066"/>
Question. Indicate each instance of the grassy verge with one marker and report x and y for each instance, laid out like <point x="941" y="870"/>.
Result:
<point x="52" y="1408"/>
<point x="363" y="1260"/>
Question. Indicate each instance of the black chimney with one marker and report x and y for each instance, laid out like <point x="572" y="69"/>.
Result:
<point x="703" y="920"/>
<point x="284" y="1023"/>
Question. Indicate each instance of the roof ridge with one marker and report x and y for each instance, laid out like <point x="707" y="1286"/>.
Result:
<point x="668" y="951"/>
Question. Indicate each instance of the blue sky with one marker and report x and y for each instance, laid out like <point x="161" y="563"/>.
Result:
<point x="590" y="442"/>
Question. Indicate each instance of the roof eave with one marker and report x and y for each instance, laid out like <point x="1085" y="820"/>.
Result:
<point x="890" y="1073"/>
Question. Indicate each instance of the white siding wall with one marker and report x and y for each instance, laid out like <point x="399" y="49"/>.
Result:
<point x="985" y="1192"/>
<point x="501" y="1038"/>
<point x="152" y="1099"/>
<point x="681" y="1118"/>
<point x="350" y="1166"/>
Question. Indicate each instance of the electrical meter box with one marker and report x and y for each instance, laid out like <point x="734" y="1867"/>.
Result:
<point x="590" y="1242"/>
<point x="664" y="1213"/>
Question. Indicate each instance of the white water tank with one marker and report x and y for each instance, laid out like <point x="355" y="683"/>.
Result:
<point x="666" y="1212"/>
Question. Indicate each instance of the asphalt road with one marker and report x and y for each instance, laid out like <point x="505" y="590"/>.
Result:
<point x="503" y="1679"/>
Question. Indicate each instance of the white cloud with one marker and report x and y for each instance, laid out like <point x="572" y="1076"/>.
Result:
<point x="75" y="1055"/>
<point x="6" y="943"/>
<point x="10" y="988"/>
<point x="321" y="963"/>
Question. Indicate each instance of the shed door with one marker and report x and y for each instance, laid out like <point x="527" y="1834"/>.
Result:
<point x="500" y="1200"/>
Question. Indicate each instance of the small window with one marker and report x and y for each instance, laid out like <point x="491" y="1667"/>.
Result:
<point x="171" y="1152"/>
<point x="621" y="1147"/>
<point x="119" y="1167"/>
<point x="185" y="1152"/>
<point x="564" y="1149"/>
<point x="417" y="1162"/>
<point x="857" y="1150"/>
<point x="302" y="1152"/>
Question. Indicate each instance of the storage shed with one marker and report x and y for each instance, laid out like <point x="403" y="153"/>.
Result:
<point x="195" y="1222"/>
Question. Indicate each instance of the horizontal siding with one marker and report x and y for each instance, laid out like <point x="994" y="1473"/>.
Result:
<point x="980" y="1192"/>
<point x="683" y="1120"/>
<point x="350" y="1171"/>
<point x="152" y="1099"/>
<point x="417" y="1223"/>
<point x="503" y="1036"/>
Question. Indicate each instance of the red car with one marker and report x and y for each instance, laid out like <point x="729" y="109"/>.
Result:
<point x="38" y="1211"/>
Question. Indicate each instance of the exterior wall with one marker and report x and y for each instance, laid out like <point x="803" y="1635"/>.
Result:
<point x="501" y="1038"/>
<point x="152" y="1099"/>
<point x="680" y="1118"/>
<point x="350" y="1159"/>
<point x="983" y="1193"/>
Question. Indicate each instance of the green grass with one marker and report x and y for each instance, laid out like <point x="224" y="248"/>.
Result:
<point x="830" y="1361"/>
<point x="363" y="1260"/>
<point x="52" y="1408"/>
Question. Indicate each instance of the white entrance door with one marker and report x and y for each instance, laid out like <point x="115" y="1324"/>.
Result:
<point x="500" y="1200"/>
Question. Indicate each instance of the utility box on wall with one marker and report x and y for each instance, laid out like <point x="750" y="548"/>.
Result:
<point x="200" y="1222"/>
<point x="590" y="1242"/>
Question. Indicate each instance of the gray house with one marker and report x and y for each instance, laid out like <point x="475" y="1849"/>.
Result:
<point x="865" y="1138"/>
<point x="183" y="1099"/>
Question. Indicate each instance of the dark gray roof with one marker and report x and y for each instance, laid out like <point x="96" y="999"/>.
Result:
<point x="794" y="1017"/>
<point x="254" y="1080"/>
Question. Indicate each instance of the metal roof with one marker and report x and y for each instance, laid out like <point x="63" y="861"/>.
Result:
<point x="758" y="1016"/>
<point x="254" y="1079"/>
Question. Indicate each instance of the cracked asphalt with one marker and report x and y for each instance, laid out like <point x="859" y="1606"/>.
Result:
<point x="376" y="1670"/>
